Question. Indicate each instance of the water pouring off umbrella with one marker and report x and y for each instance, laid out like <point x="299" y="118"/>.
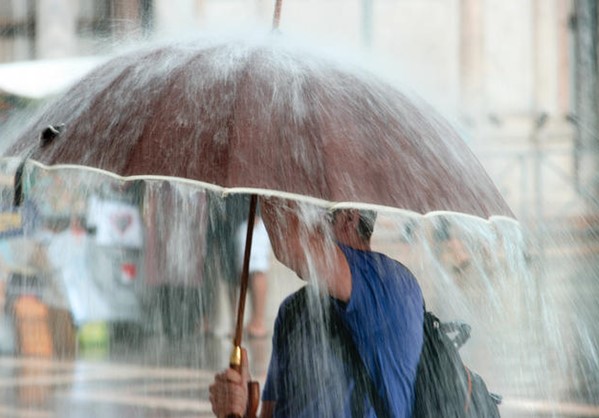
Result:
<point x="267" y="117"/>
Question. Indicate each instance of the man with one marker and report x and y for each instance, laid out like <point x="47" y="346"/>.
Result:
<point x="377" y="299"/>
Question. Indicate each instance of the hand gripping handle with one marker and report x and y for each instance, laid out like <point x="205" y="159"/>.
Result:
<point x="253" y="387"/>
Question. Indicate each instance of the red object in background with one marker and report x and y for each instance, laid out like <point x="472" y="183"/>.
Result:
<point x="128" y="272"/>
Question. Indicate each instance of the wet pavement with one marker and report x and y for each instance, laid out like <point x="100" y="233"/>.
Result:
<point x="46" y="388"/>
<point x="156" y="379"/>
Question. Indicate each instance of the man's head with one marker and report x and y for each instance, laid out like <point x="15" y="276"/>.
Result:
<point x="290" y="229"/>
<point x="354" y="227"/>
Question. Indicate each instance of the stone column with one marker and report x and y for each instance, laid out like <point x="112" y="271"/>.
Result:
<point x="128" y="18"/>
<point x="56" y="23"/>
<point x="471" y="60"/>
<point x="367" y="23"/>
<point x="17" y="27"/>
<point x="546" y="36"/>
<point x="564" y="57"/>
<point x="587" y="99"/>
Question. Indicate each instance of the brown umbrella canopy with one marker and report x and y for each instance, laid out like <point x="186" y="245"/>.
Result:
<point x="264" y="115"/>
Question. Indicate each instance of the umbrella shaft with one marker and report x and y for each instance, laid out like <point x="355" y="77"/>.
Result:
<point x="277" y="15"/>
<point x="245" y="272"/>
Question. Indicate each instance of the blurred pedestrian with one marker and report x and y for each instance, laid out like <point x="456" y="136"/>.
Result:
<point x="258" y="269"/>
<point x="225" y="214"/>
<point x="451" y="247"/>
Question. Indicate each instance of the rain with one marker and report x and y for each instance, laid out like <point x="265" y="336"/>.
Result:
<point x="125" y="197"/>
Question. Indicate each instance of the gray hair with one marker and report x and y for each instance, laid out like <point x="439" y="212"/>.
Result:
<point x="366" y="224"/>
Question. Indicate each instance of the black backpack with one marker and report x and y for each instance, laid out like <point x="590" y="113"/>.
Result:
<point x="445" y="387"/>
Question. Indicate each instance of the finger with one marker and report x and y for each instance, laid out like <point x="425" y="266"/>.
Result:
<point x="228" y="375"/>
<point x="223" y="391"/>
<point x="220" y="377"/>
<point x="227" y="399"/>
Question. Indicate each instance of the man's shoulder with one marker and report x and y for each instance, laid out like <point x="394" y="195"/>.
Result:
<point x="291" y="314"/>
<point x="293" y="301"/>
<point x="383" y="267"/>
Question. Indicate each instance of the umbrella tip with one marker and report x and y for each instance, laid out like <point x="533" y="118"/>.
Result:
<point x="50" y="133"/>
<point x="277" y="15"/>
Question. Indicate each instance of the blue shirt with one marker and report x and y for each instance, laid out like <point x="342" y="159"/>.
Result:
<point x="306" y="377"/>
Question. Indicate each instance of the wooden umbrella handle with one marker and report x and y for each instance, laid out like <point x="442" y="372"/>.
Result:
<point x="245" y="272"/>
<point x="253" y="387"/>
<point x="235" y="361"/>
<point x="253" y="399"/>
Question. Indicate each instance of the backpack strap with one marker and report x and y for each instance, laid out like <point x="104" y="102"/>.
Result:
<point x="363" y="380"/>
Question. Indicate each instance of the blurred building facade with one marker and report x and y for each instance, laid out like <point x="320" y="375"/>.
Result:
<point x="492" y="59"/>
<point x="519" y="76"/>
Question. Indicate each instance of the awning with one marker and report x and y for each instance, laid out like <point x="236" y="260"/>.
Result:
<point x="43" y="78"/>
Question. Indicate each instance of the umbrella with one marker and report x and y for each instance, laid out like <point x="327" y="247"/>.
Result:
<point x="260" y="114"/>
<point x="266" y="116"/>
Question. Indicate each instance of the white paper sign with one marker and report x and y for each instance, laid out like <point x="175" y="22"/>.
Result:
<point x="117" y="223"/>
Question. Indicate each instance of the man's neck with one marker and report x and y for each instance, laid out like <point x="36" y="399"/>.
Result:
<point x="354" y="242"/>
